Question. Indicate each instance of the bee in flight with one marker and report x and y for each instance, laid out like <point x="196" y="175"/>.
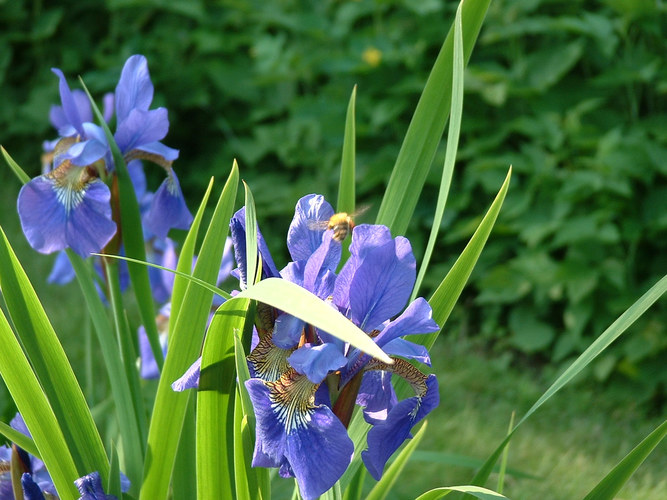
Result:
<point x="341" y="224"/>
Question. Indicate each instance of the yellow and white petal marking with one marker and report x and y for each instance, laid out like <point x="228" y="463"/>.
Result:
<point x="292" y="400"/>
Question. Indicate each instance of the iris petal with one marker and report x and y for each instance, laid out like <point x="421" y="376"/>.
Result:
<point x="168" y="209"/>
<point x="56" y="216"/>
<point x="190" y="379"/>
<point x="382" y="282"/>
<point x="386" y="437"/>
<point x="290" y="426"/>
<point x="31" y="491"/>
<point x="90" y="487"/>
<point x="417" y="318"/>
<point x="134" y="89"/>
<point x="311" y="215"/>
<point x="317" y="361"/>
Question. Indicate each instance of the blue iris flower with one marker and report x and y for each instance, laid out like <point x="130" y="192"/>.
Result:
<point x="69" y="205"/>
<point x="36" y="481"/>
<point x="305" y="382"/>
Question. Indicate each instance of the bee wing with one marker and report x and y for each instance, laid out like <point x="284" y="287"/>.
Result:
<point x="317" y="225"/>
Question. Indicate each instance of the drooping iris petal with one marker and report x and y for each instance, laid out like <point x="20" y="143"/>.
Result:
<point x="90" y="487"/>
<point x="409" y="350"/>
<point x="168" y="209"/>
<point x="376" y="395"/>
<point x="62" y="271"/>
<point x="387" y="436"/>
<point x="31" y="491"/>
<point x="291" y="427"/>
<point x="190" y="379"/>
<point x="267" y="361"/>
<point x="317" y="361"/>
<point x="56" y="215"/>
<point x="134" y="89"/>
<point x="417" y="318"/>
<point x="311" y="216"/>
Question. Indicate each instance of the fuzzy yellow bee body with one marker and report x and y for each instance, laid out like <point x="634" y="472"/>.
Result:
<point x="341" y="224"/>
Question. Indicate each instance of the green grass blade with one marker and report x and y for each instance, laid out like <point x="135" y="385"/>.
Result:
<point x="113" y="481"/>
<point x="476" y="491"/>
<point x="21" y="440"/>
<point x="260" y="475"/>
<point x="128" y="352"/>
<point x="34" y="406"/>
<point x="250" y="237"/>
<point x="427" y="125"/>
<point x="503" y="461"/>
<point x="346" y="184"/>
<point x="215" y="403"/>
<point x="132" y="237"/>
<point x="185" y="260"/>
<point x="23" y="177"/>
<point x="184" y="477"/>
<point x="389" y="478"/>
<point x="355" y="488"/>
<point x="458" y="460"/>
<point x="614" y="481"/>
<point x="615" y="330"/>
<point x="244" y="473"/>
<point x="205" y="285"/>
<point x="455" y="114"/>
<point x="299" y="302"/>
<point x="184" y="344"/>
<point x="449" y="290"/>
<point x="50" y="363"/>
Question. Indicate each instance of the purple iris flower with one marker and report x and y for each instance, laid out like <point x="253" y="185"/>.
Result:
<point x="36" y="481"/>
<point x="294" y="367"/>
<point x="69" y="205"/>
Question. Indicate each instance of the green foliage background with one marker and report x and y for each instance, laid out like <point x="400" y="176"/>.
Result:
<point x="573" y="94"/>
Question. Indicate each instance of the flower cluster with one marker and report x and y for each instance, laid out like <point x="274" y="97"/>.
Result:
<point x="305" y="382"/>
<point x="36" y="482"/>
<point x="71" y="204"/>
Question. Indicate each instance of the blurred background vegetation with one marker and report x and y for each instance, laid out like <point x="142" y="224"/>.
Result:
<point x="573" y="94"/>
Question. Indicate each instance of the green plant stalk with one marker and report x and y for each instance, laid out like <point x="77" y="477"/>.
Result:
<point x="126" y="346"/>
<point x="133" y="238"/>
<point x="614" y="481"/>
<point x="615" y="330"/>
<point x="50" y="363"/>
<point x="33" y="405"/>
<point x="453" y="133"/>
<point x="427" y="125"/>
<point x="120" y="388"/>
<point x="185" y="338"/>
<point x="346" y="184"/>
<point x="215" y="403"/>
